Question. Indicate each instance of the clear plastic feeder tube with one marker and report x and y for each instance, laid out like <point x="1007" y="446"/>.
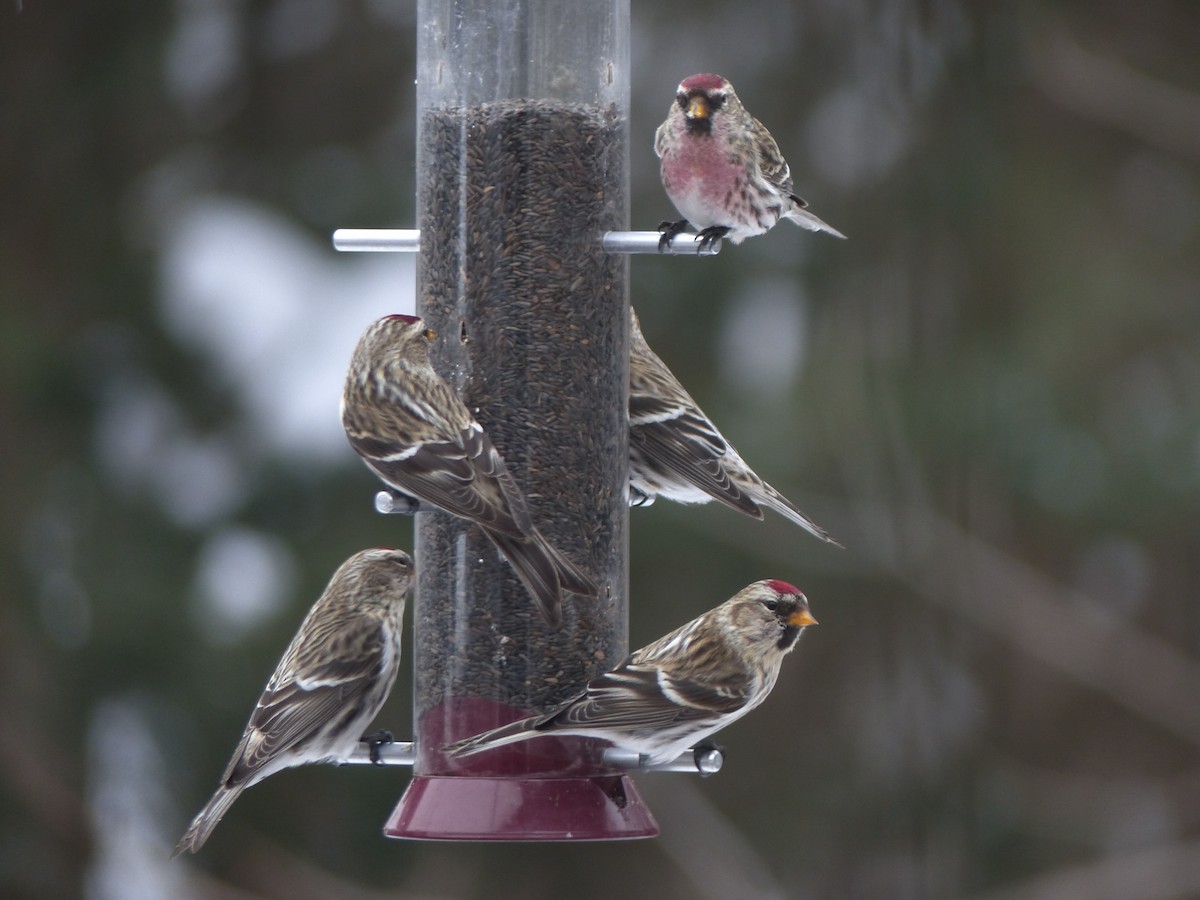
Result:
<point x="522" y="166"/>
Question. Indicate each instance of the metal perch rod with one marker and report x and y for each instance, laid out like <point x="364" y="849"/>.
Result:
<point x="385" y="240"/>
<point x="408" y="240"/>
<point x="706" y="762"/>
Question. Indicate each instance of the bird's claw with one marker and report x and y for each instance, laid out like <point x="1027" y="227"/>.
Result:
<point x="669" y="229"/>
<point x="374" y="741"/>
<point x="640" y="498"/>
<point x="709" y="236"/>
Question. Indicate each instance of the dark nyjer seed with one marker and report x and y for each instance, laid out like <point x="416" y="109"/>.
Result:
<point x="513" y="198"/>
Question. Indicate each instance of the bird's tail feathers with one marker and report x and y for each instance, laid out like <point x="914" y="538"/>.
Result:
<point x="769" y="497"/>
<point x="520" y="730"/>
<point x="805" y="219"/>
<point x="537" y="571"/>
<point x="572" y="578"/>
<point x="206" y="820"/>
<point x="544" y="571"/>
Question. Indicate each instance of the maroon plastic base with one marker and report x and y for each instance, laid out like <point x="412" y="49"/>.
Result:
<point x="475" y="808"/>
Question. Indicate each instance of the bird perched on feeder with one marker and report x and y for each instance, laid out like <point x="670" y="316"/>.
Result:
<point x="722" y="169"/>
<point x="331" y="682"/>
<point x="676" y="452"/>
<point x="414" y="432"/>
<point x="683" y="687"/>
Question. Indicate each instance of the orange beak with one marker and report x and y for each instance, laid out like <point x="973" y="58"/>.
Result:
<point x="698" y="108"/>
<point x="430" y="334"/>
<point x="801" y="618"/>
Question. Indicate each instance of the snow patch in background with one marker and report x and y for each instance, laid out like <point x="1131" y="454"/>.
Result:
<point x="243" y="578"/>
<point x="278" y="314"/>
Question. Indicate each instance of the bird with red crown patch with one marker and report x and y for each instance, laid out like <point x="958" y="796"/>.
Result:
<point x="681" y="688"/>
<point x="722" y="169"/>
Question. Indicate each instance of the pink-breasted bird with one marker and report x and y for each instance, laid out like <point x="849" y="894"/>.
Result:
<point x="722" y="169"/>
<point x="683" y="687"/>
<point x="414" y="432"/>
<point x="675" y="451"/>
<point x="331" y="682"/>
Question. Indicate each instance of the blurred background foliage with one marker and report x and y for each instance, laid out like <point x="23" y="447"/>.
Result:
<point x="990" y="394"/>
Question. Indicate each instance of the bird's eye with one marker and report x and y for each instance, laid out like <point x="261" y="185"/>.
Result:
<point x="772" y="605"/>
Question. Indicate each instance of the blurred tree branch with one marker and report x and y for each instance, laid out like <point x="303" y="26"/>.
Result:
<point x="1009" y="598"/>
<point x="1154" y="873"/>
<point x="1112" y="93"/>
<point x="272" y="870"/>
<point x="708" y="849"/>
<point x="38" y="763"/>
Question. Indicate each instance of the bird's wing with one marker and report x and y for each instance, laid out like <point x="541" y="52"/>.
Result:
<point x="708" y="698"/>
<point x="633" y="696"/>
<point x="679" y="438"/>
<point x="774" y="171"/>
<point x="329" y="675"/>
<point x="672" y="434"/>
<point x="661" y="135"/>
<point x="489" y="464"/>
<point x="461" y="472"/>
<point x="772" y="165"/>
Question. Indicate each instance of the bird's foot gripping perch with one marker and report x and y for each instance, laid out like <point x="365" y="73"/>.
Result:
<point x="375" y="740"/>
<point x="710" y="235"/>
<point x="669" y="230"/>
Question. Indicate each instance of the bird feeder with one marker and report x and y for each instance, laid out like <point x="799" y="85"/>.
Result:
<point x="522" y="199"/>
<point x="522" y="165"/>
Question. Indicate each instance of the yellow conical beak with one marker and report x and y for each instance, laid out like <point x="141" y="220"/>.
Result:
<point x="801" y="618"/>
<point x="698" y="108"/>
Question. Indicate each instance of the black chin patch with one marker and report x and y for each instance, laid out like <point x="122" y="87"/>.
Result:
<point x="699" y="126"/>
<point x="789" y="637"/>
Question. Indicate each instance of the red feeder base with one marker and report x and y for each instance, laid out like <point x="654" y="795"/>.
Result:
<point x="476" y="808"/>
<point x="549" y="789"/>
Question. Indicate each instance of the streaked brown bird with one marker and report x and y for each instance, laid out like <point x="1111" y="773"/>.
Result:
<point x="683" y="687"/>
<point x="414" y="432"/>
<point x="330" y="684"/>
<point x="675" y="451"/>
